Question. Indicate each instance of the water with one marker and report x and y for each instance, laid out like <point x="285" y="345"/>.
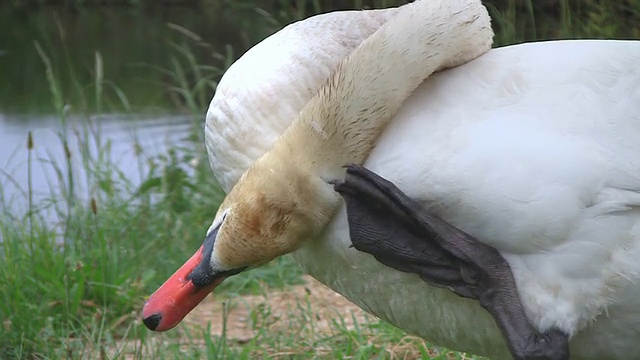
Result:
<point x="133" y="44"/>
<point x="154" y="134"/>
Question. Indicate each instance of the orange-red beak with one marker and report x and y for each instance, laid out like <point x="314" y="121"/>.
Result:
<point x="176" y="297"/>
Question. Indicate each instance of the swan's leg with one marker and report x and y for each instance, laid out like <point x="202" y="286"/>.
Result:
<point x="399" y="233"/>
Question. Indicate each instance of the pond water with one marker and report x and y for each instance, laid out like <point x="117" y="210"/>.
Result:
<point x="123" y="132"/>
<point x="134" y="45"/>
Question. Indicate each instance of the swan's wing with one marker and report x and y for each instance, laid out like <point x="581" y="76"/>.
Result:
<point x="519" y="131"/>
<point x="534" y="149"/>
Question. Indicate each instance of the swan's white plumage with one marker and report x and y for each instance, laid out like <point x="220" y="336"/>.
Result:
<point x="253" y="108"/>
<point x="534" y="149"/>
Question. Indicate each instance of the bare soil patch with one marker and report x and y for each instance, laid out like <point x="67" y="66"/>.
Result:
<point x="308" y="318"/>
<point x="280" y="308"/>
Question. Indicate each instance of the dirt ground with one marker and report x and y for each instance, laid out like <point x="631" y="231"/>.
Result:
<point x="307" y="312"/>
<point x="310" y="316"/>
<point x="282" y="306"/>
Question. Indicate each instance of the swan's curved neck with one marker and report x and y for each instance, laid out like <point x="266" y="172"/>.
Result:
<point x="284" y="197"/>
<point x="341" y="123"/>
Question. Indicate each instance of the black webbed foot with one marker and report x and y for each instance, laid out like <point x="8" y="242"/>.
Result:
<point x="400" y="233"/>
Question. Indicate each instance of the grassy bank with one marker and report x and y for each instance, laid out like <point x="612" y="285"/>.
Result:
<point x="74" y="289"/>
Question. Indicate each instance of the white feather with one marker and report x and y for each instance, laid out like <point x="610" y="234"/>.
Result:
<point x="533" y="149"/>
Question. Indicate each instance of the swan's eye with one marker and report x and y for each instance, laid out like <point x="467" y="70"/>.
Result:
<point x="217" y="224"/>
<point x="224" y="216"/>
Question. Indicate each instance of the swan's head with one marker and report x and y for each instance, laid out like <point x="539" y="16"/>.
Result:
<point x="263" y="217"/>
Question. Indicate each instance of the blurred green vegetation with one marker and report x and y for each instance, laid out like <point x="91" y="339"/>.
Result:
<point x="133" y="39"/>
<point x="591" y="17"/>
<point x="588" y="17"/>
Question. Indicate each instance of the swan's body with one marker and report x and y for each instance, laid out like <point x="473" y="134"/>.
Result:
<point x="554" y="184"/>
<point x="534" y="149"/>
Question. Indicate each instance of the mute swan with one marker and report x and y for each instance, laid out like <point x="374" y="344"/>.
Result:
<point x="533" y="149"/>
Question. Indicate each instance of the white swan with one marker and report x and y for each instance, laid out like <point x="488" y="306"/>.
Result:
<point x="534" y="149"/>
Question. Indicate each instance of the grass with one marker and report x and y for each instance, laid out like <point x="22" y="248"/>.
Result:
<point x="74" y="288"/>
